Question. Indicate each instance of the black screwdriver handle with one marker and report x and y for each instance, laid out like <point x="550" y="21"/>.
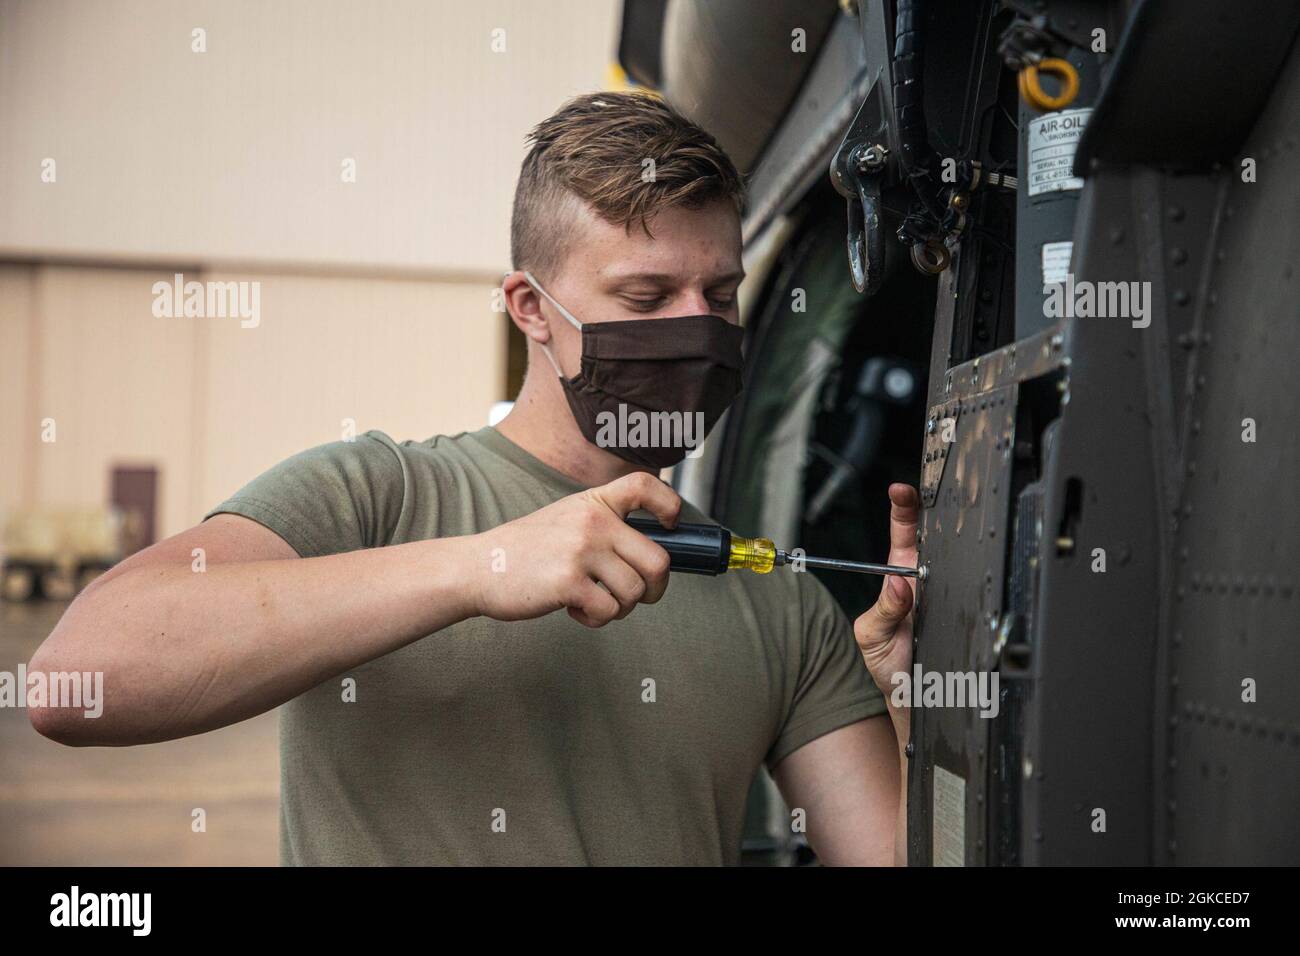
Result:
<point x="693" y="548"/>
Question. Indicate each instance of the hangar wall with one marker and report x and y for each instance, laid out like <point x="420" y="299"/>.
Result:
<point x="228" y="164"/>
<point x="210" y="403"/>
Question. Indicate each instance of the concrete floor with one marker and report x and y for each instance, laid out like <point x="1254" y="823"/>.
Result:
<point x="102" y="806"/>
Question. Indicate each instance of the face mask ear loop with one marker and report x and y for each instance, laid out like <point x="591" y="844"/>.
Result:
<point x="546" y="349"/>
<point x="537" y="287"/>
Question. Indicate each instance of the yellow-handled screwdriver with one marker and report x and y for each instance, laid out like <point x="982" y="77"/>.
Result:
<point x="712" y="549"/>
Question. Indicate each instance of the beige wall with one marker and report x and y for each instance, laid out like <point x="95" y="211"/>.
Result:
<point x="212" y="404"/>
<point x="235" y="154"/>
<point x="411" y="358"/>
<point x="16" y="455"/>
<point x="375" y="295"/>
<point x="110" y="380"/>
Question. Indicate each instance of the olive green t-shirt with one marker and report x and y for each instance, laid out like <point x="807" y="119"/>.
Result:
<point x="543" y="741"/>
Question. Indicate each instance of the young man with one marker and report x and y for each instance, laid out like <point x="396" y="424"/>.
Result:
<point x="401" y="601"/>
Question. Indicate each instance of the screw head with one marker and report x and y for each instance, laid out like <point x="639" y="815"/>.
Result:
<point x="872" y="158"/>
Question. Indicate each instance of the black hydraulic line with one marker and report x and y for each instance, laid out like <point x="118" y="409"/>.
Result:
<point x="915" y="153"/>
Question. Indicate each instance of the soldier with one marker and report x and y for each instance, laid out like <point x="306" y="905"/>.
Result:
<point x="399" y="599"/>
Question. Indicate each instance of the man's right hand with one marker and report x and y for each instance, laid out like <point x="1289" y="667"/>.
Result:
<point x="185" y="648"/>
<point x="578" y="554"/>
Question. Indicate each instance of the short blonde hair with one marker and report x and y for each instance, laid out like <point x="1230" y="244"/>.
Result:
<point x="594" y="149"/>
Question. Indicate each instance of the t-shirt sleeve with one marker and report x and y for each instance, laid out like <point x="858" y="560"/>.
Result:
<point x="330" y="499"/>
<point x="833" y="687"/>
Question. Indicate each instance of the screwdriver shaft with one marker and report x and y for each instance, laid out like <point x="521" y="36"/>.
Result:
<point x="859" y="567"/>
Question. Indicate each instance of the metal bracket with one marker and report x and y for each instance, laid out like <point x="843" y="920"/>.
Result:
<point x="940" y="420"/>
<point x="856" y="171"/>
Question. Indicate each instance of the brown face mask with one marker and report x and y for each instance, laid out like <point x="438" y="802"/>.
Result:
<point x="649" y="390"/>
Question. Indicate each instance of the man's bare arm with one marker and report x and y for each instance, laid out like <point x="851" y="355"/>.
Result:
<point x="867" y="821"/>
<point x="847" y="782"/>
<point x="184" y="651"/>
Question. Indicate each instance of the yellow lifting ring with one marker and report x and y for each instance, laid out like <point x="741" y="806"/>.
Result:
<point x="1032" y="89"/>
